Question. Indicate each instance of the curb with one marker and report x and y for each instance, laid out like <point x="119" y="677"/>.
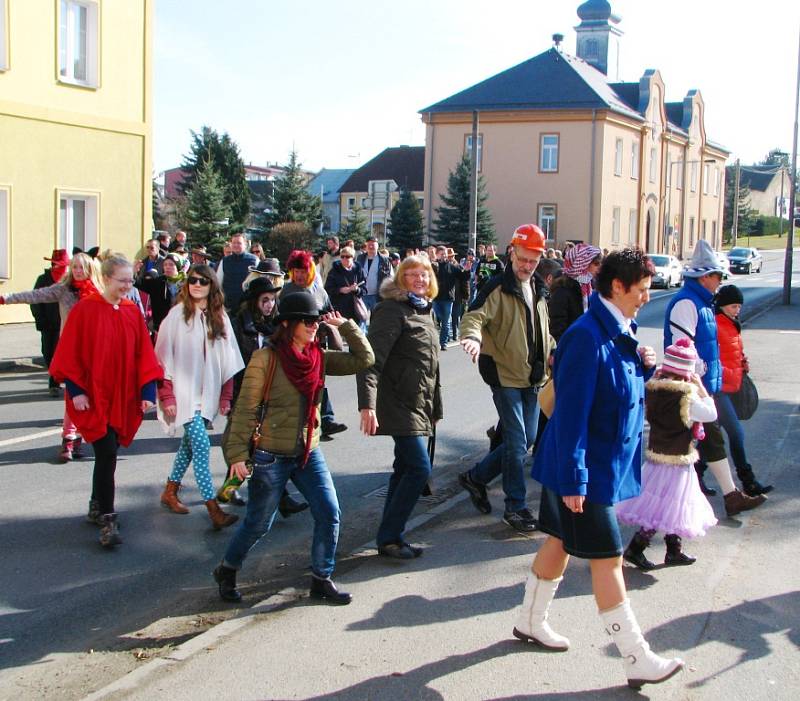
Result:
<point x="36" y="363"/>
<point x="131" y="680"/>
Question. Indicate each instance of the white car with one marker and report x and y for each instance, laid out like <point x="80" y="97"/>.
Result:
<point x="724" y="263"/>
<point x="669" y="272"/>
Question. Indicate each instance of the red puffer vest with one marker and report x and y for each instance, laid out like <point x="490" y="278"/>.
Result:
<point x="731" y="353"/>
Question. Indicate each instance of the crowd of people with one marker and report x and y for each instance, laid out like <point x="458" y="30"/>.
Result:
<point x="248" y="341"/>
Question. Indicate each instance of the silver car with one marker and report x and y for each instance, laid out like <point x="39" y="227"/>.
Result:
<point x="669" y="272"/>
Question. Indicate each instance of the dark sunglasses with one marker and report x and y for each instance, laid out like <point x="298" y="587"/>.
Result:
<point x="202" y="281"/>
<point x="345" y="256"/>
<point x="311" y="322"/>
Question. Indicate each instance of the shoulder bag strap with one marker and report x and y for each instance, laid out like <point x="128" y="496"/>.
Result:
<point x="682" y="330"/>
<point x="262" y="412"/>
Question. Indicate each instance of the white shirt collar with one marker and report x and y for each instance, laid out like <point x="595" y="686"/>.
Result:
<point x="617" y="314"/>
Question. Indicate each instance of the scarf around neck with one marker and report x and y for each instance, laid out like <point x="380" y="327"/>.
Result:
<point x="304" y="371"/>
<point x="84" y="288"/>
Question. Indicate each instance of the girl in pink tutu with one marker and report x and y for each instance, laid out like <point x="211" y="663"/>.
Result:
<point x="677" y="404"/>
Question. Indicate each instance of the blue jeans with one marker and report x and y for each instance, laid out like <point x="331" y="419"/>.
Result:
<point x="518" y="410"/>
<point x="443" y="308"/>
<point x="411" y="471"/>
<point x="269" y="478"/>
<point x="726" y="415"/>
<point x="370" y="301"/>
<point x="326" y="409"/>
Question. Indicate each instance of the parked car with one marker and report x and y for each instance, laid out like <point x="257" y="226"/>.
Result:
<point x="745" y="260"/>
<point x="724" y="263"/>
<point x="669" y="272"/>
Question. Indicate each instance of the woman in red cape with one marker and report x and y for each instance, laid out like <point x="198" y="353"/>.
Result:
<point x="107" y="362"/>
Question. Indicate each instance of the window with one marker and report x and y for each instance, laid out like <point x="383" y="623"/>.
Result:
<point x="693" y="177"/>
<point x="78" y="42"/>
<point x="653" y="164"/>
<point x="421" y="203"/>
<point x="468" y="149"/>
<point x="635" y="160"/>
<point x="547" y="220"/>
<point x="363" y="204"/>
<point x="548" y="150"/>
<point x="706" y="177"/>
<point x="669" y="169"/>
<point x="703" y="229"/>
<point x="679" y="184"/>
<point x="691" y="232"/>
<point x="615" y="225"/>
<point x="5" y="232"/>
<point x="78" y="220"/>
<point x="618" y="157"/>
<point x="351" y="202"/>
<point x="3" y="35"/>
<point x="714" y="242"/>
<point x="716" y="182"/>
<point x="633" y="221"/>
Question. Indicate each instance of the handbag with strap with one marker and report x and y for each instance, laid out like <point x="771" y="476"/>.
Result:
<point x="745" y="400"/>
<point x="360" y="310"/>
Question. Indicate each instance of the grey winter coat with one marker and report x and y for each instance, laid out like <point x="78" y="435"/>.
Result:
<point x="402" y="387"/>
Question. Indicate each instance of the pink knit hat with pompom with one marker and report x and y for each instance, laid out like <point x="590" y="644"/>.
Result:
<point x="680" y="358"/>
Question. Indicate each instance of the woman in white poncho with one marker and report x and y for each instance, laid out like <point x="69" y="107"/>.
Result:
<point x="200" y="356"/>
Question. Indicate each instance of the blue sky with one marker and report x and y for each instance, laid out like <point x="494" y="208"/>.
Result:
<point x="341" y="81"/>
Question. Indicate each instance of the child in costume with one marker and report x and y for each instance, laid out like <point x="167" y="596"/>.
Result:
<point x="677" y="404"/>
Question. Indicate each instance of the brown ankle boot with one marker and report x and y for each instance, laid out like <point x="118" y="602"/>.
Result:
<point x="170" y="499"/>
<point x="736" y="502"/>
<point x="219" y="518"/>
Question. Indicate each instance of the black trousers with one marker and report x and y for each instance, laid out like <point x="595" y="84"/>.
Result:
<point x="105" y="465"/>
<point x="49" y="342"/>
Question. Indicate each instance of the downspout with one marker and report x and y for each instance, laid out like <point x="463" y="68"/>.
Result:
<point x="591" y="178"/>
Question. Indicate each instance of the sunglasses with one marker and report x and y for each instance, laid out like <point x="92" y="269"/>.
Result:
<point x="345" y="256"/>
<point x="202" y="281"/>
<point x="311" y="322"/>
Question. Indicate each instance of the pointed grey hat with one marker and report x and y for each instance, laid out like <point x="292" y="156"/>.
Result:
<point x="703" y="262"/>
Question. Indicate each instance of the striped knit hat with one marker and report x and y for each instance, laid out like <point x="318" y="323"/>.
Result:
<point x="680" y="358"/>
<point x="703" y="262"/>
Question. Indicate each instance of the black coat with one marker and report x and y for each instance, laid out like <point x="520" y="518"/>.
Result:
<point x="161" y="297"/>
<point x="246" y="334"/>
<point x="339" y="277"/>
<point x="565" y="305"/>
<point x="46" y="314"/>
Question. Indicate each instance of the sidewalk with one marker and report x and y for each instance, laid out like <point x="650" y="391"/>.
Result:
<point x="440" y="627"/>
<point x="20" y="344"/>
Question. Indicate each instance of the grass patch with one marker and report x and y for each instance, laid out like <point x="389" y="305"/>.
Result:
<point x="765" y="243"/>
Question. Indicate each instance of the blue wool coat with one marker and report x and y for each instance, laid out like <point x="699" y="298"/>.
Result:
<point x="592" y="445"/>
<point x="705" y="335"/>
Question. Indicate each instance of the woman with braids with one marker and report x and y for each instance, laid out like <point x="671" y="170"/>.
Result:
<point x="81" y="280"/>
<point x="106" y="359"/>
<point x="200" y="356"/>
<point x="291" y="371"/>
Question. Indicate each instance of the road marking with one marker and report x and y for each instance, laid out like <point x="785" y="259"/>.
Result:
<point x="29" y="437"/>
<point x="791" y="333"/>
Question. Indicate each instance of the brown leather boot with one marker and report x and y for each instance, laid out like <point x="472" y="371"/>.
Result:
<point x="219" y="519"/>
<point x="736" y="502"/>
<point x="169" y="498"/>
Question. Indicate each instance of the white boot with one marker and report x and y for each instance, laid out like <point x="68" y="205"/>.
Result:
<point x="532" y="620"/>
<point x="642" y="666"/>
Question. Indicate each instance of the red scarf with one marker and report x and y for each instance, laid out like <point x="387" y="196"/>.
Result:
<point x="304" y="371"/>
<point x="57" y="272"/>
<point x="84" y="287"/>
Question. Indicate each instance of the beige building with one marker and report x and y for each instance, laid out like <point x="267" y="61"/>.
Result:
<point x="75" y="132"/>
<point x="588" y="159"/>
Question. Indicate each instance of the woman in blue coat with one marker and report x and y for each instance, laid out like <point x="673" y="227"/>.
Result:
<point x="590" y="458"/>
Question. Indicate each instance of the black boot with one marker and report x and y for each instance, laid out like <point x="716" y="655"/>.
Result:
<point x="109" y="533"/>
<point x="675" y="556"/>
<point x="634" y="553"/>
<point x="326" y="590"/>
<point x="750" y="485"/>
<point x="700" y="469"/>
<point x="225" y="577"/>
<point x="288" y="506"/>
<point x="94" y="516"/>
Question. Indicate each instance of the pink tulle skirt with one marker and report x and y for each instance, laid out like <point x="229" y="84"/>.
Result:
<point x="670" y="501"/>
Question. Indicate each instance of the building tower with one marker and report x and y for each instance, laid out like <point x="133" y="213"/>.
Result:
<point x="598" y="40"/>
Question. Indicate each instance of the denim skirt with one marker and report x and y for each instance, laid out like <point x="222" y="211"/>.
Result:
<point x="593" y="534"/>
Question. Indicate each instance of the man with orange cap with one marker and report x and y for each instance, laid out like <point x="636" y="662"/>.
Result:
<point x="506" y="331"/>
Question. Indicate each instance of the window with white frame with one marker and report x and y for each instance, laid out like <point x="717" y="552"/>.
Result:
<point x="714" y="242"/>
<point x="615" y="214"/>
<point x="3" y="35"/>
<point x="548" y="153"/>
<point x="669" y="169"/>
<point x="78" y="220"/>
<point x="421" y="203"/>
<point x="703" y="230"/>
<point x="618" y="146"/>
<point x="635" y="160"/>
<point x="363" y="202"/>
<point x="5" y="232"/>
<point x="679" y="177"/>
<point x="468" y="149"/>
<point x="693" y="177"/>
<point x="351" y="202"/>
<point x="79" y="42"/>
<point x="716" y="182"/>
<point x="653" y="164"/>
<point x="547" y="220"/>
<point x="706" y="177"/>
<point x="691" y="232"/>
<point x="633" y="221"/>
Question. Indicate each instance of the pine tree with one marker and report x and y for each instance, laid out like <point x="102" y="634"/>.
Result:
<point x="406" y="222"/>
<point x="222" y="152"/>
<point x="746" y="215"/>
<point x="290" y="201"/>
<point x="356" y="227"/>
<point x="452" y="217"/>
<point x="206" y="211"/>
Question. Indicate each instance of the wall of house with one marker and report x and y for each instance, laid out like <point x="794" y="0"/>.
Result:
<point x="764" y="201"/>
<point x="56" y="136"/>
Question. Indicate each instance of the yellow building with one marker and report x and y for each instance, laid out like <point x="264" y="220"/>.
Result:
<point x="589" y="159"/>
<point x="75" y="132"/>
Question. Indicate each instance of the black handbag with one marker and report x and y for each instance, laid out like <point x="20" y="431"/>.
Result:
<point x="745" y="401"/>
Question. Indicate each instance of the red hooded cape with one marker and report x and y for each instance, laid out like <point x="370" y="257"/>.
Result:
<point x="105" y="349"/>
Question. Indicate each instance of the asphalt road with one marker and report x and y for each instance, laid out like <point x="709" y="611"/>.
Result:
<point x="74" y="617"/>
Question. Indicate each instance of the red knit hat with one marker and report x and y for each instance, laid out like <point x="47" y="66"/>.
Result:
<point x="680" y="358"/>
